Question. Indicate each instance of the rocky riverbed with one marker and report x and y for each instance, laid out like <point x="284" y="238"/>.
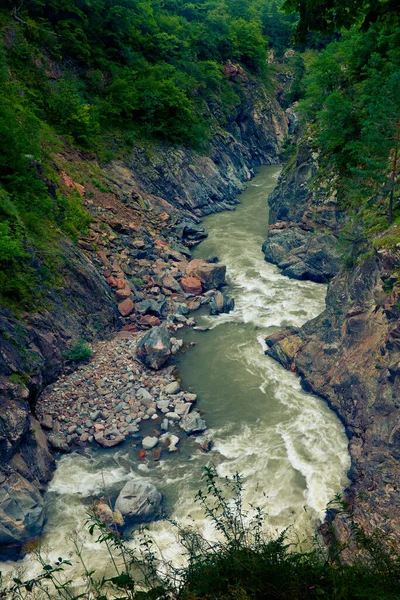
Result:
<point x="110" y="399"/>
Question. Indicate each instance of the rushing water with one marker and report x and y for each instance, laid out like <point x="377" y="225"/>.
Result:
<point x="289" y="447"/>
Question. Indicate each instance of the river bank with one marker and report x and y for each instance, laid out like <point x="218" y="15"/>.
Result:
<point x="290" y="448"/>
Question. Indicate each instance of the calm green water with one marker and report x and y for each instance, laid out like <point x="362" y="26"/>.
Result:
<point x="289" y="447"/>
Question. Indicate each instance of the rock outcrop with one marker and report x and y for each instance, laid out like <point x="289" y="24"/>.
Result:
<point x="350" y="356"/>
<point x="304" y="221"/>
<point x="206" y="183"/>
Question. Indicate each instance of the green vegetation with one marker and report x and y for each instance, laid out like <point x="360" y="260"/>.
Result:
<point x="79" y="352"/>
<point x="243" y="565"/>
<point x="351" y="95"/>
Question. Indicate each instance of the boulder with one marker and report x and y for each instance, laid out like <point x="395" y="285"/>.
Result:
<point x="150" y="307"/>
<point x="58" y="442"/>
<point x="154" y="348"/>
<point x="126" y="307"/>
<point x="172" y="388"/>
<point x="192" y="285"/>
<point x="193" y="423"/>
<point x="106" y="443"/>
<point x="211" y="275"/>
<point x="113" y="519"/>
<point x="22" y="514"/>
<point x="121" y="295"/>
<point x="139" y="502"/>
<point x="149" y="442"/>
<point x="221" y="303"/>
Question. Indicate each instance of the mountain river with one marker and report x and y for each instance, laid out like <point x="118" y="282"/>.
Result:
<point x="290" y="448"/>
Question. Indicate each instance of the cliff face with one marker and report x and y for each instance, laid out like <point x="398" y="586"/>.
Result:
<point x="304" y="220"/>
<point x="350" y="355"/>
<point x="207" y="183"/>
<point x="148" y="213"/>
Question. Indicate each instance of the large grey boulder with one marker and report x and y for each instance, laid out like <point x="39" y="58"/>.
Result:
<point x="139" y="502"/>
<point x="154" y="348"/>
<point x="221" y="303"/>
<point x="193" y="423"/>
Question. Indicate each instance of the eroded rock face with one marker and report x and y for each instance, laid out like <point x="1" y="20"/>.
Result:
<point x="22" y="514"/>
<point x="350" y="355"/>
<point x="26" y="465"/>
<point x="139" y="502"/>
<point x="154" y="348"/>
<point x="304" y="221"/>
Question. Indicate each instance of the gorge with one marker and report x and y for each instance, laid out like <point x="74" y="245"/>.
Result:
<point x="199" y="265"/>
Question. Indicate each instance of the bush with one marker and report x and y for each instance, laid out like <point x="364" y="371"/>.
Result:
<point x="79" y="352"/>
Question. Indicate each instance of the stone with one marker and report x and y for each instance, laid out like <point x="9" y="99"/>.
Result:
<point x="172" y="388"/>
<point x="151" y="307"/>
<point x="164" y="425"/>
<point x="173" y="441"/>
<point x="126" y="307"/>
<point x="221" y="303"/>
<point x="113" y="519"/>
<point x="190" y="397"/>
<point x="149" y="442"/>
<point x="182" y="408"/>
<point x="139" y="502"/>
<point x="211" y="275"/>
<point x="99" y="427"/>
<point x="192" y="285"/>
<point x="149" y="321"/>
<point x="193" y="423"/>
<point x="58" y="442"/>
<point x="143" y="394"/>
<point x="170" y="283"/>
<point x="121" y="295"/>
<point x="173" y="416"/>
<point x="142" y="454"/>
<point x="154" y="348"/>
<point x="156" y="452"/>
<point x="94" y="415"/>
<point x="47" y="422"/>
<point x="109" y="443"/>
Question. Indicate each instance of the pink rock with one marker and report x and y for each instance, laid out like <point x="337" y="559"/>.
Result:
<point x="192" y="285"/>
<point x="126" y="307"/>
<point x="122" y="294"/>
<point x="99" y="427"/>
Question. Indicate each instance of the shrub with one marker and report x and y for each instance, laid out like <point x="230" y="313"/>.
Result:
<point x="80" y="351"/>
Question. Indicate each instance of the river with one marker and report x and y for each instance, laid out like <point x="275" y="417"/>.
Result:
<point x="289" y="447"/>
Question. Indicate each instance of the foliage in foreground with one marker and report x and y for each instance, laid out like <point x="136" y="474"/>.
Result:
<point x="243" y="565"/>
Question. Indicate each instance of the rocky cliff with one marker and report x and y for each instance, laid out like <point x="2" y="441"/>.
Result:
<point x="304" y="219"/>
<point x="350" y="354"/>
<point x="144" y="212"/>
